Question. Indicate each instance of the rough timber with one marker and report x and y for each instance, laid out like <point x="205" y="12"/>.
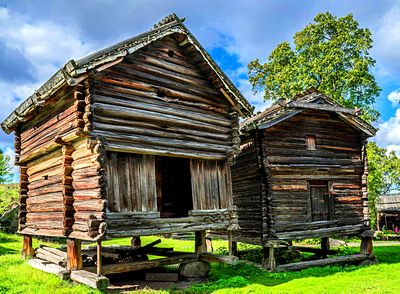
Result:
<point x="302" y="172"/>
<point x="136" y="139"/>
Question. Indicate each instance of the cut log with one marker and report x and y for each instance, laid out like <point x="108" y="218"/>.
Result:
<point x="90" y="279"/>
<point x="49" y="267"/>
<point x="321" y="262"/>
<point x="141" y="265"/>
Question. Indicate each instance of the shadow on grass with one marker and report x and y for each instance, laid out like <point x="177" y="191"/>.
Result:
<point x="5" y="238"/>
<point x="238" y="276"/>
<point x="4" y="251"/>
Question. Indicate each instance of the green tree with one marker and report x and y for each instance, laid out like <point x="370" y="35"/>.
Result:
<point x="332" y="55"/>
<point x="5" y="168"/>
<point x="384" y="175"/>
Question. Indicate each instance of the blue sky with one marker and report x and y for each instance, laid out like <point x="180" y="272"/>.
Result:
<point x="37" y="37"/>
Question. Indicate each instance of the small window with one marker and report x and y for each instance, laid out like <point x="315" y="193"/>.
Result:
<point x="322" y="205"/>
<point x="311" y="143"/>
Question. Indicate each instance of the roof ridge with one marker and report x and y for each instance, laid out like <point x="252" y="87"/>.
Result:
<point x="168" y="19"/>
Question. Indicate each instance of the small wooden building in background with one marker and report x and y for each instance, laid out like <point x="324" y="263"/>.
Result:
<point x="136" y="139"/>
<point x="388" y="212"/>
<point x="302" y="173"/>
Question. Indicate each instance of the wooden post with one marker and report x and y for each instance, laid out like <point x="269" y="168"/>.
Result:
<point x="234" y="248"/>
<point x="269" y="261"/>
<point x="325" y="246"/>
<point x="200" y="245"/>
<point x="136" y="242"/>
<point x="366" y="242"/>
<point x="230" y="248"/>
<point x="74" y="256"/>
<point x="27" y="249"/>
<point x="99" y="258"/>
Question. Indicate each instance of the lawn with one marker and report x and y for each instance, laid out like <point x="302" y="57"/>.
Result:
<point x="17" y="277"/>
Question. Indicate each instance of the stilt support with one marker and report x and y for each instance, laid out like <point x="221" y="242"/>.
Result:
<point x="234" y="248"/>
<point x="366" y="242"/>
<point x="74" y="255"/>
<point x="269" y="261"/>
<point x="136" y="242"/>
<point x="200" y="242"/>
<point x="27" y="249"/>
<point x="99" y="261"/>
<point x="230" y="242"/>
<point x="325" y="246"/>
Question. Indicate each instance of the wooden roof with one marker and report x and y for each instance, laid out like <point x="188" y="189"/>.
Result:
<point x="388" y="203"/>
<point x="75" y="71"/>
<point x="310" y="99"/>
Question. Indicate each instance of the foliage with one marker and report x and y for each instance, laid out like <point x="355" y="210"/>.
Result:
<point x="5" y="168"/>
<point x="332" y="55"/>
<point x="8" y="196"/>
<point x="383" y="177"/>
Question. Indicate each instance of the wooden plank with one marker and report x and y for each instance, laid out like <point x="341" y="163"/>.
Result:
<point x="49" y="267"/>
<point x="90" y="279"/>
<point x="321" y="262"/>
<point x="141" y="265"/>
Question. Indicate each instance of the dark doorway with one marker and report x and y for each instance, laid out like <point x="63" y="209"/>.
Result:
<point x="321" y="201"/>
<point x="174" y="189"/>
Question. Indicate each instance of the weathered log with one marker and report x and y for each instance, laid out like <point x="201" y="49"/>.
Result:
<point x="141" y="265"/>
<point x="50" y="268"/>
<point x="321" y="262"/>
<point x="90" y="279"/>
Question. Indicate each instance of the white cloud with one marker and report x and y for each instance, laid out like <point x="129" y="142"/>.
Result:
<point x="45" y="44"/>
<point x="388" y="135"/>
<point x="387" y="41"/>
<point x="394" y="97"/>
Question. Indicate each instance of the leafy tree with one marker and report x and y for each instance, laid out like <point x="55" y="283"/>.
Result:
<point x="384" y="175"/>
<point x="332" y="55"/>
<point x="5" y="168"/>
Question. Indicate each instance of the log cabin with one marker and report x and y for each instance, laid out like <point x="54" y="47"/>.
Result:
<point x="302" y="173"/>
<point x="136" y="139"/>
<point x="388" y="212"/>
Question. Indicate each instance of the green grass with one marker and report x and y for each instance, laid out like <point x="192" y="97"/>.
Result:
<point x="17" y="277"/>
<point x="8" y="196"/>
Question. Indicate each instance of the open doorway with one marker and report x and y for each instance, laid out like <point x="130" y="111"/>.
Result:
<point x="174" y="189"/>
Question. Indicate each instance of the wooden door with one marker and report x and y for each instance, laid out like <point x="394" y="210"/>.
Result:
<point x="321" y="201"/>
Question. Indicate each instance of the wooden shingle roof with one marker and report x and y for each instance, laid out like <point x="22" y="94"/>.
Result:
<point x="310" y="99"/>
<point x="75" y="71"/>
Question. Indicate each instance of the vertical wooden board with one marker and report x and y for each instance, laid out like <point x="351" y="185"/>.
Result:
<point x="221" y="184"/>
<point x="123" y="181"/>
<point x="213" y="193"/>
<point x="135" y="202"/>
<point x="194" y="171"/>
<point x="151" y="182"/>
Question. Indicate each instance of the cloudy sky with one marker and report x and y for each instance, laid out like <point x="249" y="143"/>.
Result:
<point x="38" y="37"/>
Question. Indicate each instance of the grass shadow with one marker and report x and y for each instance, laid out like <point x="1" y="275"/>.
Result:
<point x="4" y="250"/>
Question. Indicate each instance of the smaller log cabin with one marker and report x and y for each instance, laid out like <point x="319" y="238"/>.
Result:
<point x="302" y="172"/>
<point x="388" y="212"/>
<point x="135" y="139"/>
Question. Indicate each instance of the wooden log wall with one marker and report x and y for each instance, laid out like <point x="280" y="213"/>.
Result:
<point x="337" y="159"/>
<point x="144" y="224"/>
<point x="88" y="177"/>
<point x="131" y="182"/>
<point x="56" y="118"/>
<point x="158" y="101"/>
<point x="45" y="201"/>
<point x="23" y="195"/>
<point x="364" y="184"/>
<point x="211" y="184"/>
<point x="247" y="190"/>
